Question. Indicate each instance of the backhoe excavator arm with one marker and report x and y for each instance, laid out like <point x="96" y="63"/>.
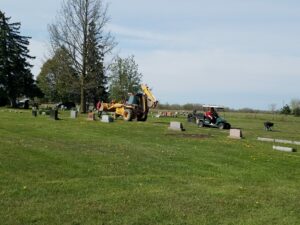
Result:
<point x="152" y="101"/>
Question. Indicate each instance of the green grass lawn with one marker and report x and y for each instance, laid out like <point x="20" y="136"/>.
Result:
<point x="87" y="172"/>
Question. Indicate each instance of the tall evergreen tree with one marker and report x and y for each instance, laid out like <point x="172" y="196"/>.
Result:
<point x="96" y="82"/>
<point x="16" y="78"/>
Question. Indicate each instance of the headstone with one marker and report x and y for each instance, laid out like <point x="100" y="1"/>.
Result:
<point x="73" y="114"/>
<point x="235" y="133"/>
<point x="54" y="114"/>
<point x="91" y="116"/>
<point x="283" y="141"/>
<point x="284" y="149"/>
<point x="107" y="119"/>
<point x="43" y="113"/>
<point x="177" y="126"/>
<point x="265" y="139"/>
<point x="296" y="142"/>
<point x="34" y="111"/>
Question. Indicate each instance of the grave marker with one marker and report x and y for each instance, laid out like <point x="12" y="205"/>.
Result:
<point x="177" y="126"/>
<point x="91" y="116"/>
<point x="73" y="114"/>
<point x="107" y="119"/>
<point x="235" y="133"/>
<point x="284" y="149"/>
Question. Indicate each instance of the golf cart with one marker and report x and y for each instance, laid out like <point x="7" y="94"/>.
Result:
<point x="213" y="120"/>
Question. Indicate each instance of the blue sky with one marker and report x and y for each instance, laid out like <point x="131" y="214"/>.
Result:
<point x="236" y="53"/>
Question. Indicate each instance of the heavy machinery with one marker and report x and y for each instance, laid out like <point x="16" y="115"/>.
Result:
<point x="136" y="107"/>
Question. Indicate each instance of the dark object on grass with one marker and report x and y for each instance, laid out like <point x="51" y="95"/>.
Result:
<point x="268" y="125"/>
<point x="54" y="114"/>
<point x="34" y="111"/>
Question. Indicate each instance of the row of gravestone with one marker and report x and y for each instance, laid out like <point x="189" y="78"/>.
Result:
<point x="176" y="126"/>
<point x="233" y="133"/>
<point x="52" y="113"/>
<point x="74" y="114"/>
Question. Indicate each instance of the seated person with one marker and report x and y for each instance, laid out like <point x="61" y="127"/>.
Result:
<point x="212" y="115"/>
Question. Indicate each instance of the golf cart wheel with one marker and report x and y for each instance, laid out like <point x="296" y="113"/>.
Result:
<point x="221" y="126"/>
<point x="127" y="116"/>
<point x="200" y="123"/>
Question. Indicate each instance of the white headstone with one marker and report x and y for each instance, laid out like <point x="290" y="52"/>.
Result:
<point x="283" y="141"/>
<point x="235" y="133"/>
<point x="284" y="149"/>
<point x="107" y="119"/>
<point x="73" y="114"/>
<point x="265" y="139"/>
<point x="296" y="142"/>
<point x="177" y="126"/>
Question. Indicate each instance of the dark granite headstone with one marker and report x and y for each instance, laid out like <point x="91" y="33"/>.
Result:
<point x="54" y="114"/>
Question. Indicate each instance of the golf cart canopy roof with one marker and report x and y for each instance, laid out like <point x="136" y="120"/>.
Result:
<point x="213" y="106"/>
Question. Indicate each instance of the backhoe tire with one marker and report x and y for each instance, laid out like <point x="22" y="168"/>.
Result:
<point x="127" y="115"/>
<point x="142" y="118"/>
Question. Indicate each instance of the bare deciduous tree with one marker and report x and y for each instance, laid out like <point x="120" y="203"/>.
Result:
<point x="71" y="30"/>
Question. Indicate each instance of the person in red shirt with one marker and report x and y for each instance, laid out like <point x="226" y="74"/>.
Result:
<point x="211" y="115"/>
<point x="98" y="106"/>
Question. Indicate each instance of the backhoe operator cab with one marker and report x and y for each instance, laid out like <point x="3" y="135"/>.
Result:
<point x="136" y="107"/>
<point x="212" y="119"/>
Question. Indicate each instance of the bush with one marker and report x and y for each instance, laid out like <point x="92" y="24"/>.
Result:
<point x="286" y="110"/>
<point x="296" y="111"/>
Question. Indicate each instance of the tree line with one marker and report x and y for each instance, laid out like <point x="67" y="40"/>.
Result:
<point x="291" y="109"/>
<point x="75" y="70"/>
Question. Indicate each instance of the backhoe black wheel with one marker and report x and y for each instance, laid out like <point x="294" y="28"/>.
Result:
<point x="200" y="123"/>
<point x="142" y="117"/>
<point x="221" y="126"/>
<point x="127" y="116"/>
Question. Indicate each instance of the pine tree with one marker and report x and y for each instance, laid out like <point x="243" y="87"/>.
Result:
<point x="96" y="82"/>
<point x="16" y="78"/>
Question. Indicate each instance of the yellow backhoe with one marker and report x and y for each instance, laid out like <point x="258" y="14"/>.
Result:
<point x="136" y="107"/>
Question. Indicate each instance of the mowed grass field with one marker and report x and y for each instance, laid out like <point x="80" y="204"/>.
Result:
<point x="74" y="171"/>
